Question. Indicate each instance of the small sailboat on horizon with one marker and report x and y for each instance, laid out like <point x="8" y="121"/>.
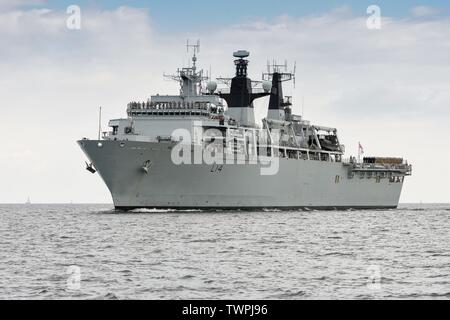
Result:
<point x="28" y="201"/>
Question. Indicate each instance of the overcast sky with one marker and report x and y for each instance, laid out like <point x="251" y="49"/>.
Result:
<point x="388" y="88"/>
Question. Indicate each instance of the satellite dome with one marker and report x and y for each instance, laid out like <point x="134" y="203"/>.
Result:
<point x="241" y="54"/>
<point x="211" y="86"/>
<point x="267" y="86"/>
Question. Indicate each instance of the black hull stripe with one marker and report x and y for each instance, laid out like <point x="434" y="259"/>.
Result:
<point x="302" y="208"/>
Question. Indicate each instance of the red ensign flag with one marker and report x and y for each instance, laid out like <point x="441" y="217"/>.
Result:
<point x="360" y="148"/>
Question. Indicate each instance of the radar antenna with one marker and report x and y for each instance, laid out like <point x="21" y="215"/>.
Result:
<point x="241" y="68"/>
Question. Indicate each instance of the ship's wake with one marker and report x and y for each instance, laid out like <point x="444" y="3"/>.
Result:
<point x="146" y="210"/>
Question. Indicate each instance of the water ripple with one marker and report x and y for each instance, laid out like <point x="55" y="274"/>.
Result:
<point x="94" y="252"/>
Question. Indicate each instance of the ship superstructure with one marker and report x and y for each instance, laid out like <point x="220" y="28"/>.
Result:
<point x="202" y="148"/>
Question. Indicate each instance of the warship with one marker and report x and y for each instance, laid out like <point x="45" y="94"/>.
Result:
<point x="203" y="149"/>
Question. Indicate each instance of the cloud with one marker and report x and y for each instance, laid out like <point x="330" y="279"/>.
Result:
<point x="387" y="88"/>
<point x="423" y="11"/>
<point x="401" y="69"/>
<point x="9" y="4"/>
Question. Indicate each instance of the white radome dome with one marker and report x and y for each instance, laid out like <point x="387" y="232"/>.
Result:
<point x="267" y="86"/>
<point x="211" y="86"/>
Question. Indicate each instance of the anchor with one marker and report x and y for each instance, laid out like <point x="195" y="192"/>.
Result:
<point x="90" y="168"/>
<point x="146" y="166"/>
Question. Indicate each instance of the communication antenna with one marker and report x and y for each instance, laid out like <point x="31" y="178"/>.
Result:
<point x="196" y="48"/>
<point x="294" y="72"/>
<point x="278" y="67"/>
<point x="99" y="123"/>
<point x="303" y="106"/>
<point x="273" y="67"/>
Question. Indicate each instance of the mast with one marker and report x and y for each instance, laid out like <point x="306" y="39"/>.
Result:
<point x="241" y="96"/>
<point x="189" y="78"/>
<point x="278" y="106"/>
<point x="99" y="123"/>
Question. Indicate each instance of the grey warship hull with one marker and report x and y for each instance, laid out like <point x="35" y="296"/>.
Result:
<point x="304" y="184"/>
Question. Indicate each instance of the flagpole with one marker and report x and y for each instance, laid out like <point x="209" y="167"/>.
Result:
<point x="99" y="123"/>
<point x="359" y="156"/>
<point x="360" y="151"/>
